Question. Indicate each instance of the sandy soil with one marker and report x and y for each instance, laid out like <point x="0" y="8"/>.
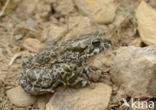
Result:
<point x="13" y="23"/>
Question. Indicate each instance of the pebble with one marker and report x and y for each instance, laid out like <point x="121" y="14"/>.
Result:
<point x="41" y="102"/>
<point x="146" y="18"/>
<point x="18" y="37"/>
<point x="30" y="22"/>
<point x="79" y="25"/>
<point x="136" y="42"/>
<point x="55" y="33"/>
<point x="64" y="7"/>
<point x="102" y="62"/>
<point x="32" y="44"/>
<point x="81" y="99"/>
<point x="100" y="11"/>
<point x="19" y="97"/>
<point x="133" y="70"/>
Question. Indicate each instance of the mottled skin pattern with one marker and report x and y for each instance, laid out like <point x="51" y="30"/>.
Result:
<point x="64" y="63"/>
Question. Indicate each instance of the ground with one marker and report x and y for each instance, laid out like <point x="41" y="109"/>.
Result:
<point x="16" y="26"/>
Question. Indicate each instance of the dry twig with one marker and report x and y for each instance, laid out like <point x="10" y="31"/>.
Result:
<point x="15" y="57"/>
<point x="143" y="97"/>
<point x="4" y="8"/>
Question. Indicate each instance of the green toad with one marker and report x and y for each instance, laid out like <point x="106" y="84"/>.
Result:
<point x="62" y="64"/>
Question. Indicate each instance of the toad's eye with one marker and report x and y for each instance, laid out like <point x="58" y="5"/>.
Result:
<point x="96" y="42"/>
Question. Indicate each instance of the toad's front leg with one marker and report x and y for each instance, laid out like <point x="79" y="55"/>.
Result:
<point x="93" y="74"/>
<point x="71" y="78"/>
<point x="75" y="81"/>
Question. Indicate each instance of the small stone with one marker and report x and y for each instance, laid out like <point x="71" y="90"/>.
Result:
<point x="146" y="18"/>
<point x="81" y="99"/>
<point x="136" y="42"/>
<point x="30" y="22"/>
<point x="42" y="10"/>
<point x="41" y="102"/>
<point x="64" y="7"/>
<point x="101" y="11"/>
<point x="118" y="20"/>
<point x="134" y="69"/>
<point x="55" y="33"/>
<point x="18" y="37"/>
<point x="32" y="44"/>
<point x="20" y="98"/>
<point x="102" y="62"/>
<point x="79" y="25"/>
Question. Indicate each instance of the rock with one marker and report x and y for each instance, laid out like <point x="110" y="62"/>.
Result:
<point x="118" y="20"/>
<point x="134" y="70"/>
<point x="32" y="44"/>
<point x="30" y="22"/>
<point x="55" y="33"/>
<point x="79" y="25"/>
<point x="136" y="42"/>
<point x="64" y="7"/>
<point x="41" y="102"/>
<point x="100" y="11"/>
<point x="29" y="9"/>
<point x="19" y="97"/>
<point x="42" y="9"/>
<point x="102" y="62"/>
<point x="146" y="18"/>
<point x="81" y="99"/>
<point x="18" y="37"/>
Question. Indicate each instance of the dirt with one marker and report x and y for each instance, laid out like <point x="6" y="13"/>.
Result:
<point x="43" y="13"/>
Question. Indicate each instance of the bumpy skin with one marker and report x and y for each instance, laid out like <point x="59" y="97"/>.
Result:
<point x="63" y="64"/>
